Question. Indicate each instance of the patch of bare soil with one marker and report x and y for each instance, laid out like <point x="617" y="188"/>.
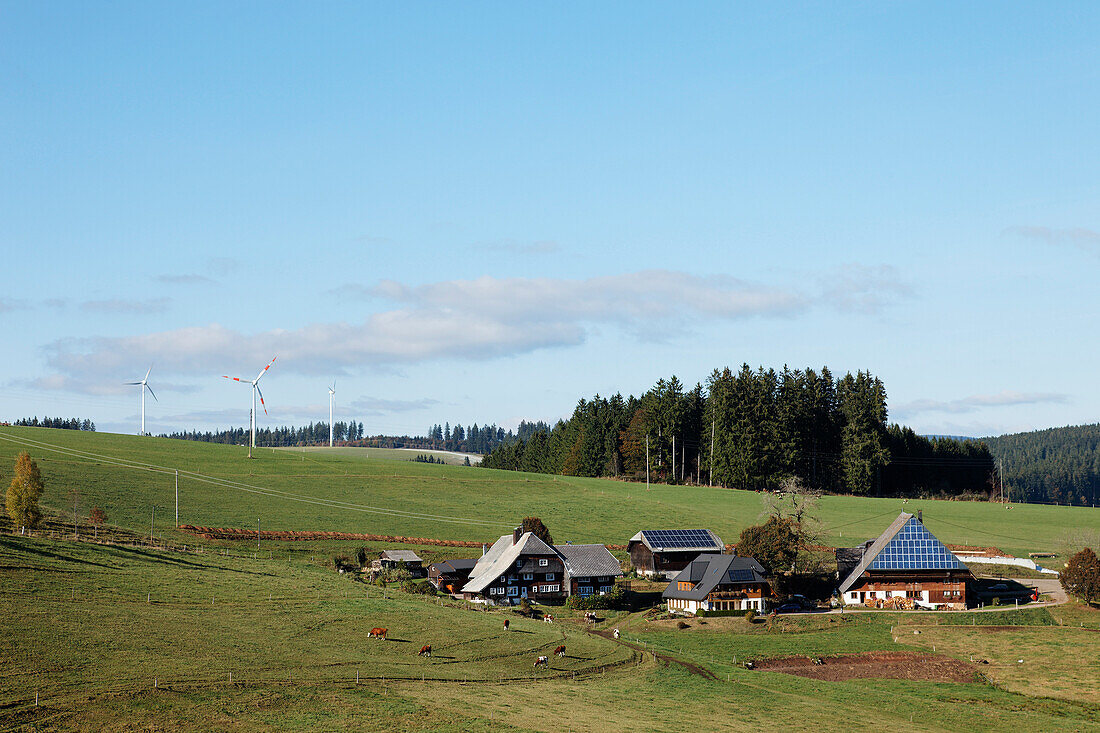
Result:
<point x="875" y="665"/>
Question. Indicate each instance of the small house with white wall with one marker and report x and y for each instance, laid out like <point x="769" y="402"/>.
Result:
<point x="718" y="583"/>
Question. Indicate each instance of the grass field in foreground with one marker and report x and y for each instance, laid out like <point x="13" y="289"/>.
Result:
<point x="451" y="458"/>
<point x="354" y="492"/>
<point x="89" y="627"/>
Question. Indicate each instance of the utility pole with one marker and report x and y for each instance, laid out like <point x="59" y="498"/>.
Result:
<point x="712" y="452"/>
<point x="177" y="497"/>
<point x="252" y="422"/>
<point x="674" y="456"/>
<point x="257" y="534"/>
<point x="683" y="459"/>
<point x="1002" y="481"/>
<point x="152" y="516"/>
<point x="647" y="462"/>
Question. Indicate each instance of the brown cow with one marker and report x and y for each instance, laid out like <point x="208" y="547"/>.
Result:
<point x="560" y="651"/>
<point x="542" y="661"/>
<point x="425" y="651"/>
<point x="505" y="624"/>
<point x="378" y="633"/>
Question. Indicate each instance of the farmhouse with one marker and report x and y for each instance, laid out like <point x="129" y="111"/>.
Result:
<point x="392" y="559"/>
<point x="589" y="569"/>
<point x="666" y="551"/>
<point x="450" y="575"/>
<point x="718" y="583"/>
<point x="518" y="566"/>
<point x="904" y="566"/>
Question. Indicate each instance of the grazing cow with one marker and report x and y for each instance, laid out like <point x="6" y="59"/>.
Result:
<point x="548" y="619"/>
<point x="616" y="633"/>
<point x="542" y="661"/>
<point x="425" y="651"/>
<point x="505" y="624"/>
<point x="560" y="651"/>
<point x="749" y="665"/>
<point x="378" y="633"/>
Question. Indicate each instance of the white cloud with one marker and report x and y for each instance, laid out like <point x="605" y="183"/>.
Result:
<point x="1087" y="240"/>
<point x="973" y="403"/>
<point x="122" y="306"/>
<point x="863" y="289"/>
<point x="479" y="319"/>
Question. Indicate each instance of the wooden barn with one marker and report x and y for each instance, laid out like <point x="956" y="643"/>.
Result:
<point x="393" y="559"/>
<point x="718" y="583"/>
<point x="450" y="575"/>
<point x="667" y="551"/>
<point x="904" y="567"/>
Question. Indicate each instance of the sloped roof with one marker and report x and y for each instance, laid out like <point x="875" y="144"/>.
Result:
<point x="905" y="545"/>
<point x="500" y="557"/>
<point x="455" y="566"/>
<point x="401" y="555"/>
<point x="709" y="571"/>
<point x="588" y="560"/>
<point x="679" y="540"/>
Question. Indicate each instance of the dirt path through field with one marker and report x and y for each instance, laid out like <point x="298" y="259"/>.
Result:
<point x="689" y="666"/>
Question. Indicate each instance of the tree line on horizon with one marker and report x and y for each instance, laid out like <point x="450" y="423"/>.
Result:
<point x="1057" y="465"/>
<point x="312" y="434"/>
<point x="756" y="429"/>
<point x="58" y="423"/>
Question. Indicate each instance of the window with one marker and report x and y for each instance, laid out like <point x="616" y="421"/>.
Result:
<point x="543" y="563"/>
<point x="549" y="588"/>
<point x="513" y="591"/>
<point x="584" y="590"/>
<point x="549" y="576"/>
<point x="496" y="591"/>
<point x="502" y="579"/>
<point x="519" y="563"/>
<point x="606" y="588"/>
<point x="528" y="576"/>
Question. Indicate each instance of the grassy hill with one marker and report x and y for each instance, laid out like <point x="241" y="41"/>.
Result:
<point x="354" y="491"/>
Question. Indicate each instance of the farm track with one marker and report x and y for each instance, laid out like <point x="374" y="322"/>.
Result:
<point x="695" y="669"/>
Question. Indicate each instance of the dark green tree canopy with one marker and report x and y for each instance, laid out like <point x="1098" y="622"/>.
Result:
<point x="535" y="526"/>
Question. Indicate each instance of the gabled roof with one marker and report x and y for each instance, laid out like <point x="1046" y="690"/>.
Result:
<point x="582" y="561"/>
<point x="707" y="572"/>
<point x="680" y="540"/>
<point x="455" y="566"/>
<point x="500" y="557"/>
<point x="905" y="545"/>
<point x="401" y="555"/>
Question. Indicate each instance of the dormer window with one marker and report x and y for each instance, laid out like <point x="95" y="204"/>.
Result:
<point x="543" y="563"/>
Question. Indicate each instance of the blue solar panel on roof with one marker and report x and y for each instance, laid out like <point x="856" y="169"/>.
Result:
<point x="678" y="537"/>
<point x="915" y="548"/>
<point x="740" y="575"/>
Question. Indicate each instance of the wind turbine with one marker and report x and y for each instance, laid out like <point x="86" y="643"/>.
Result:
<point x="144" y="386"/>
<point x="331" y="400"/>
<point x="255" y="390"/>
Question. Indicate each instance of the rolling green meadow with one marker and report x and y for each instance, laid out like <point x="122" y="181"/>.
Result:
<point x="222" y="637"/>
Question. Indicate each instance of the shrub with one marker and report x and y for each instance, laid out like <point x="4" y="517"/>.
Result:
<point x="750" y="616"/>
<point x="342" y="562"/>
<point x="97" y="516"/>
<point x="683" y="625"/>
<point x="996" y="601"/>
<point x="1081" y="576"/>
<point x="423" y="588"/>
<point x="614" y="600"/>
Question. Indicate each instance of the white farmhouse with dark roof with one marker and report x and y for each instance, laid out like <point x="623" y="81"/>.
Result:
<point x="904" y="566"/>
<point x="718" y="583"/>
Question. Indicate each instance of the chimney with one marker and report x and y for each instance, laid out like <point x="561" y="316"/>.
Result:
<point x="516" y="534"/>
<point x="920" y="516"/>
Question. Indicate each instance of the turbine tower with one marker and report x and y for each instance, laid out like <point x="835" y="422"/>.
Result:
<point x="331" y="399"/>
<point x="255" y="390"/>
<point x="144" y="386"/>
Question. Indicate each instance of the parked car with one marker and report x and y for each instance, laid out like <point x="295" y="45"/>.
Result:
<point x="789" y="608"/>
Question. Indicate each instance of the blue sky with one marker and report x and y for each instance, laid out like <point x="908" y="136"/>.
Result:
<point x="481" y="212"/>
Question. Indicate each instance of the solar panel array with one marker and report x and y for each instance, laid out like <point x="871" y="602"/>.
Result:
<point x="915" y="548"/>
<point x="673" y="538"/>
<point x="740" y="575"/>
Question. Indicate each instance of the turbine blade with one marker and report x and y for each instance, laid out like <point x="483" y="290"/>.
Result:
<point x="235" y="379"/>
<point x="152" y="392"/>
<point x="261" y="398"/>
<point x="264" y="370"/>
<point x="147" y="373"/>
<point x="133" y="382"/>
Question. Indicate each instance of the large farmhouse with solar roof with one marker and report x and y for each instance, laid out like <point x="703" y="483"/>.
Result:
<point x="718" y="583"/>
<point x="905" y="566"/>
<point x="667" y="551"/>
